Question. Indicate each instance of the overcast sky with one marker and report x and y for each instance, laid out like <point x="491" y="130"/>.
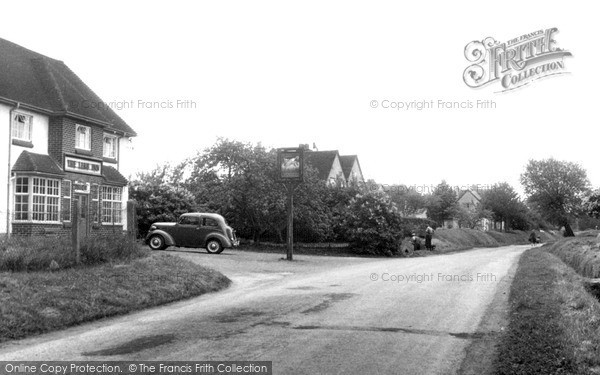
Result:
<point x="285" y="73"/>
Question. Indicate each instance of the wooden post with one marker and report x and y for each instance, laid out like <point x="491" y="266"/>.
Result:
<point x="132" y="219"/>
<point x="290" y="222"/>
<point x="76" y="230"/>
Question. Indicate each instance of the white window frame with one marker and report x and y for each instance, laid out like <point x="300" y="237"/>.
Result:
<point x="21" y="130"/>
<point x="87" y="141"/>
<point x="95" y="198"/>
<point x="111" y="207"/>
<point x="21" y="198"/>
<point x="115" y="145"/>
<point x="43" y="200"/>
<point x="68" y="197"/>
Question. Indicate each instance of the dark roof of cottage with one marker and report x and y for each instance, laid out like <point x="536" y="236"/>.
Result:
<point x="113" y="176"/>
<point x="47" y="84"/>
<point x="322" y="161"/>
<point x="347" y="162"/>
<point x="30" y="162"/>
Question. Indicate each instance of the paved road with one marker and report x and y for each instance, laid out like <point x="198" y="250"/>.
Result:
<point x="319" y="315"/>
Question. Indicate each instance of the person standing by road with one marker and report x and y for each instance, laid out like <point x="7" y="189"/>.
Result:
<point x="533" y="238"/>
<point x="416" y="241"/>
<point x="428" y="236"/>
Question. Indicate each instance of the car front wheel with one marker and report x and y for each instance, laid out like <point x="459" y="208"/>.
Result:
<point x="214" y="247"/>
<point x="157" y="242"/>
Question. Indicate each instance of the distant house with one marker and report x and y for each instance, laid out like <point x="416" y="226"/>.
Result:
<point x="60" y="146"/>
<point x="335" y="169"/>
<point x="351" y="168"/>
<point x="471" y="200"/>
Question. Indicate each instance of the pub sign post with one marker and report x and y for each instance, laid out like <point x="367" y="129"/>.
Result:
<point x="290" y="164"/>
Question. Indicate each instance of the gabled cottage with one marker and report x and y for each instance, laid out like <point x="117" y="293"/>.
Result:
<point x="351" y="168"/>
<point x="63" y="144"/>
<point x="335" y="169"/>
<point x="469" y="199"/>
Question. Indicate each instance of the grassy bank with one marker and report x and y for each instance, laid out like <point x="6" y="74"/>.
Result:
<point x="582" y="253"/>
<point x="554" y="323"/>
<point x="453" y="239"/>
<point x="445" y="240"/>
<point x="42" y="301"/>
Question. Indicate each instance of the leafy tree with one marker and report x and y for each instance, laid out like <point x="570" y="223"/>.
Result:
<point x="236" y="180"/>
<point x="239" y="181"/>
<point x="504" y="203"/>
<point x="408" y="201"/>
<point x="556" y="188"/>
<point x="592" y="204"/>
<point x="157" y="199"/>
<point x="442" y="203"/>
<point x="472" y="217"/>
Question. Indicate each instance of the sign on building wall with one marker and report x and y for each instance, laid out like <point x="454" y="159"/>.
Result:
<point x="81" y="187"/>
<point x="83" y="166"/>
<point x="291" y="164"/>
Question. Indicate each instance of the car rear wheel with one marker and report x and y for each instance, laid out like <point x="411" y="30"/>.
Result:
<point x="157" y="242"/>
<point x="214" y="246"/>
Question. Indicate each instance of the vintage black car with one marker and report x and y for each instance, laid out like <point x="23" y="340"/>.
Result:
<point x="193" y="230"/>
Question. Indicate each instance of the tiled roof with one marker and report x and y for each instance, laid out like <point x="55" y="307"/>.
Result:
<point x="113" y="176"/>
<point x="322" y="161"/>
<point x="33" y="79"/>
<point x="347" y="162"/>
<point x="474" y="192"/>
<point x="30" y="162"/>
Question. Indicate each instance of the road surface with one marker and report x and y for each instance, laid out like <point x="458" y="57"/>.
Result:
<point x="316" y="315"/>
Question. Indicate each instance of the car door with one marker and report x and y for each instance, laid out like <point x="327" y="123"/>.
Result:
<point x="189" y="232"/>
<point x="209" y="226"/>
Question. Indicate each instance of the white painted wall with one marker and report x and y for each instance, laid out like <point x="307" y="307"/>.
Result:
<point x="4" y="138"/>
<point x="336" y="170"/>
<point x="39" y="138"/>
<point x="356" y="174"/>
<point x="128" y="165"/>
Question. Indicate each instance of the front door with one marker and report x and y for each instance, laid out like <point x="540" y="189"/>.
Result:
<point x="84" y="213"/>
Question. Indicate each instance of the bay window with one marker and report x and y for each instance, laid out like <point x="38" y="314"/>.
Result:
<point x="37" y="199"/>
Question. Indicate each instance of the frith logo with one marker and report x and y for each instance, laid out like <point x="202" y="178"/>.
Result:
<point x="515" y="63"/>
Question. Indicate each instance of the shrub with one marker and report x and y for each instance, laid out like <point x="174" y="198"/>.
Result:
<point x="373" y="225"/>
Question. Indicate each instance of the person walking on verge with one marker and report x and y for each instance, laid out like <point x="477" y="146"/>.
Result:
<point x="428" y="236"/>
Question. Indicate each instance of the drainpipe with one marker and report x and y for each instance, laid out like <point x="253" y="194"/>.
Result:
<point x="9" y="173"/>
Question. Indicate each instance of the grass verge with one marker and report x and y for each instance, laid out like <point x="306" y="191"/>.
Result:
<point x="458" y="239"/>
<point x="554" y="323"/>
<point x="37" y="302"/>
